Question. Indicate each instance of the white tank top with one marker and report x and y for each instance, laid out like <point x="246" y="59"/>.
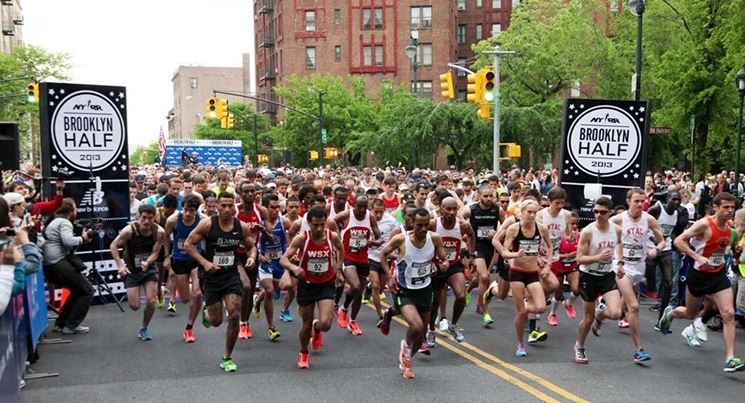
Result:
<point x="600" y="241"/>
<point x="386" y="225"/>
<point x="634" y="239"/>
<point x="557" y="226"/>
<point x="415" y="267"/>
<point x="667" y="223"/>
<point x="304" y="226"/>
<point x="333" y="213"/>
<point x="452" y="240"/>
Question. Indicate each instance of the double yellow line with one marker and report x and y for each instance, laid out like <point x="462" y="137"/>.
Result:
<point x="509" y="372"/>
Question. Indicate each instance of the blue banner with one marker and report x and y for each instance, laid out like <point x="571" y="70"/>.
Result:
<point x="204" y="152"/>
<point x="36" y="307"/>
<point x="8" y="355"/>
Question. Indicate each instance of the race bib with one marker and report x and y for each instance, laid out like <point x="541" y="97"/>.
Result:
<point x="666" y="229"/>
<point x="555" y="243"/>
<point x="717" y="259"/>
<point x="318" y="266"/>
<point x="530" y="246"/>
<point x="420" y="272"/>
<point x="450" y="254"/>
<point x="274" y="254"/>
<point x="224" y="259"/>
<point x="357" y="243"/>
<point x="180" y="245"/>
<point x="484" y="232"/>
<point x="140" y="259"/>
<point x="632" y="252"/>
<point x="604" y="267"/>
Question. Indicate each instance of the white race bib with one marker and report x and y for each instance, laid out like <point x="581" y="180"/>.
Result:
<point x="180" y="244"/>
<point x="717" y="259"/>
<point x="224" y="259"/>
<point x="632" y="252"/>
<point x="484" y="232"/>
<point x="530" y="246"/>
<point x="450" y="254"/>
<point x="140" y="259"/>
<point x="318" y="266"/>
<point x="274" y="254"/>
<point x="357" y="243"/>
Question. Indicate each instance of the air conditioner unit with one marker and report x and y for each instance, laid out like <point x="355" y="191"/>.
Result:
<point x="6" y="2"/>
<point x="426" y="23"/>
<point x="461" y="7"/>
<point x="310" y="29"/>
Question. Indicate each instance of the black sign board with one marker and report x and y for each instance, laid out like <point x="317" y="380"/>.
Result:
<point x="603" y="150"/>
<point x="84" y="141"/>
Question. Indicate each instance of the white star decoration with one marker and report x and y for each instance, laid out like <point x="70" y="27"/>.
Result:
<point x="566" y="161"/>
<point x="121" y="95"/>
<point x="121" y="106"/>
<point x="51" y="91"/>
<point x="571" y="106"/>
<point x="571" y="116"/>
<point x="113" y="168"/>
<point x="636" y="176"/>
<point x="637" y="165"/>
<point x="62" y="91"/>
<point x="54" y="156"/>
<point x="576" y="173"/>
<point x="566" y="172"/>
<point x="582" y="107"/>
<point x="641" y="109"/>
<point x="625" y="176"/>
<point x="631" y="108"/>
<point x="111" y="94"/>
<point x="54" y="168"/>
<point x="51" y="103"/>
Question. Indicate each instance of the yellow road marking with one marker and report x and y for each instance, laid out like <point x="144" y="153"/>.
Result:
<point x="504" y="364"/>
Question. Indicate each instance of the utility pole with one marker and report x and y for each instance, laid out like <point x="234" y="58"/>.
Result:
<point x="256" y="138"/>
<point x="497" y="53"/>
<point x="320" y="125"/>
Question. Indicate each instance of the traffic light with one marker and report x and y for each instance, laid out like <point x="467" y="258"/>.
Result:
<point x="33" y="92"/>
<point x="474" y="88"/>
<point x="330" y="153"/>
<point x="210" y="107"/>
<point x="227" y="122"/>
<point x="313" y="155"/>
<point x="489" y="84"/>
<point x="513" y="150"/>
<point x="446" y="83"/>
<point x="263" y="158"/>
<point x="222" y="108"/>
<point x="484" y="111"/>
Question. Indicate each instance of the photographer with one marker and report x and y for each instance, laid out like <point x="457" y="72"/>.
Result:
<point x="63" y="268"/>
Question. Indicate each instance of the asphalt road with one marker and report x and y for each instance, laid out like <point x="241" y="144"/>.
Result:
<point x="110" y="364"/>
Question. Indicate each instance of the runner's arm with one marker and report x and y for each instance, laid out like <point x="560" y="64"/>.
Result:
<point x="117" y="243"/>
<point x="292" y="249"/>
<point x="195" y="237"/>
<point x="251" y="251"/>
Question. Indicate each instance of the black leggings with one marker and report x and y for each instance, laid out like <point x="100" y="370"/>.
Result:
<point x="665" y="261"/>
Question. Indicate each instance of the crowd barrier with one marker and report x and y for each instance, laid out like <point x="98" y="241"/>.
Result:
<point x="21" y="327"/>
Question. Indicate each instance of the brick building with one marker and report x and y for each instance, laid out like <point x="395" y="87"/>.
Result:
<point x="11" y="21"/>
<point x="343" y="37"/>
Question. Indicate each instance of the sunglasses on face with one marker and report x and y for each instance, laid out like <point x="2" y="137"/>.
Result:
<point x="601" y="212"/>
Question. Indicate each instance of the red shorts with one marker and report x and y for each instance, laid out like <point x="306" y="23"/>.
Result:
<point x="560" y="268"/>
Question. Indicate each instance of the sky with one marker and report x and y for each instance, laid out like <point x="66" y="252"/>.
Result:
<point x="139" y="45"/>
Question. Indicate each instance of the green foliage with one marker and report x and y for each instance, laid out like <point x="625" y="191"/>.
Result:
<point x="145" y="154"/>
<point x="245" y="117"/>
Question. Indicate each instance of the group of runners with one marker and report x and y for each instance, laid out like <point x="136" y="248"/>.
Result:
<point x="329" y="252"/>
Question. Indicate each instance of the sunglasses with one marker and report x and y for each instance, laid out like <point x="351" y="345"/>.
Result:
<point x="601" y="212"/>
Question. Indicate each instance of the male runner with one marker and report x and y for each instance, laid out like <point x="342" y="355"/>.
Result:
<point x="359" y="231"/>
<point x="179" y="226"/>
<point x="452" y="230"/>
<point x="321" y="256"/>
<point x="168" y="206"/>
<point x="411" y="282"/>
<point x="142" y="242"/>
<point x="708" y="242"/>
<point x="379" y="270"/>
<point x="222" y="286"/>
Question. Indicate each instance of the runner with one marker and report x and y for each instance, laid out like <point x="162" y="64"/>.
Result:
<point x="452" y="230"/>
<point x="708" y="244"/>
<point x="321" y="255"/>
<point x="599" y="242"/>
<point x="179" y="226"/>
<point x="411" y="282"/>
<point x="635" y="226"/>
<point x="484" y="218"/>
<point x="142" y="242"/>
<point x="524" y="240"/>
<point x="378" y="269"/>
<point x="168" y="207"/>
<point x="271" y="250"/>
<point x="222" y="286"/>
<point x="359" y="229"/>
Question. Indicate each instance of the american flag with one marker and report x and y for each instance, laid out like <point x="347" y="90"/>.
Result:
<point x="162" y="144"/>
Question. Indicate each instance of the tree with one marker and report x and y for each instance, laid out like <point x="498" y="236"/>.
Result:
<point x="245" y="117"/>
<point x="145" y="154"/>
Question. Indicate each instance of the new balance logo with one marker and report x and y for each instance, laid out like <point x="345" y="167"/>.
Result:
<point x="86" y="199"/>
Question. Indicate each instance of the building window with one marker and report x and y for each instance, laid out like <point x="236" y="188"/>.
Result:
<point x="461" y="95"/>
<point x="479" y="34"/>
<point x="496" y="3"/>
<point x="193" y="82"/>
<point x="425" y="89"/>
<point x="496" y="28"/>
<point x="425" y="54"/>
<point x="367" y="18"/>
<point x="367" y="55"/>
<point x="378" y="18"/>
<point x="337" y="53"/>
<point x="461" y="5"/>
<point x="310" y="57"/>
<point x="310" y="20"/>
<point x="478" y="4"/>
<point x="421" y="17"/>
<point x="461" y="34"/>
<point x="379" y="55"/>
<point x="461" y="62"/>
<point x="337" y="16"/>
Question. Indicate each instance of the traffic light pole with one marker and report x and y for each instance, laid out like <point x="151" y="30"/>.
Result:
<point x="495" y="152"/>
<point x="320" y="125"/>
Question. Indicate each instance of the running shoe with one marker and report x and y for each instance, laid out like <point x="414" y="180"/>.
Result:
<point x="316" y="338"/>
<point x="623" y="323"/>
<point x="189" y="336"/>
<point x="734" y="364"/>
<point x="385" y="327"/>
<point x="272" y="333"/>
<point x="486" y="298"/>
<point x="666" y="320"/>
<point x="407" y="373"/>
<point x="228" y="365"/>
<point x="355" y="328"/>
<point x="552" y="320"/>
<point x="537" y="336"/>
<point x="571" y="312"/>
<point x="655" y="307"/>
<point x="457" y="334"/>
<point x="468" y="297"/>
<point x="431" y="339"/>
<point x="404" y="356"/>
<point x="303" y="360"/>
<point x="641" y="356"/>
<point x="244" y="332"/>
<point x="277" y="293"/>
<point x="285" y="316"/>
<point x="205" y="321"/>
<point x="520" y="352"/>
<point x="579" y="356"/>
<point x="382" y="296"/>
<point x="342" y="318"/>
<point x="700" y="330"/>
<point x="690" y="335"/>
<point x="257" y="306"/>
<point x="144" y="334"/>
<point x="379" y="323"/>
<point x="68" y="330"/>
<point x="487" y="320"/>
<point x="366" y="294"/>
<point x="424" y="349"/>
<point x="171" y="307"/>
<point x="443" y="325"/>
<point x="159" y="302"/>
<point x="597" y="324"/>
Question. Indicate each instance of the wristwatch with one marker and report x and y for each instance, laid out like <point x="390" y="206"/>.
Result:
<point x="621" y="262"/>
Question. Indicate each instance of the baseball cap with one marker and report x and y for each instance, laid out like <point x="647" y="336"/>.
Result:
<point x="13" y="198"/>
<point x="408" y="198"/>
<point x="403" y="187"/>
<point x="140" y="178"/>
<point x="271" y="185"/>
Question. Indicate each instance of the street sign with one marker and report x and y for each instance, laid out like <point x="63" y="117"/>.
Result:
<point x="323" y="136"/>
<point x="660" y="130"/>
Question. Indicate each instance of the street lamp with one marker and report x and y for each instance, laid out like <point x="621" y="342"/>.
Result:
<point x="637" y="8"/>
<point x="412" y="50"/>
<point x="740" y="82"/>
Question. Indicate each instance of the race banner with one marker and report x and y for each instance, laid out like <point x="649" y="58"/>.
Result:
<point x="204" y="152"/>
<point x="603" y="151"/>
<point x="84" y="141"/>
